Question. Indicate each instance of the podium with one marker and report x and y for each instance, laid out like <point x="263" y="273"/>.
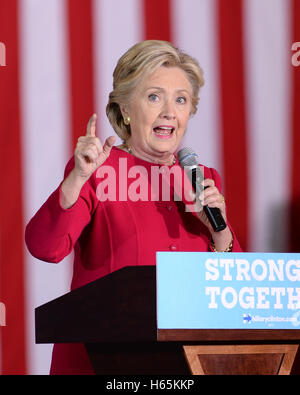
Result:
<point x="116" y="318"/>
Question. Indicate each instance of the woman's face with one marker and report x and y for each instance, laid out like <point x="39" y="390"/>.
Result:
<point x="159" y="110"/>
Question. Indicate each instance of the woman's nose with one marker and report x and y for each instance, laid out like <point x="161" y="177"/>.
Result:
<point x="168" y="110"/>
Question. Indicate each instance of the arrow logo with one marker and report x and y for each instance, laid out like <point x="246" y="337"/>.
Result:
<point x="247" y="318"/>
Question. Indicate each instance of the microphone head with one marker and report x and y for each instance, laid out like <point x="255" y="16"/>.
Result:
<point x="187" y="157"/>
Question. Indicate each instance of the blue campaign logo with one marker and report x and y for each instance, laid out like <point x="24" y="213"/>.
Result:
<point x="296" y="318"/>
<point x="247" y="318"/>
<point x="228" y="290"/>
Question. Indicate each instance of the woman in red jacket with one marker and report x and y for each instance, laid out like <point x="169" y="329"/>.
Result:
<point x="107" y="208"/>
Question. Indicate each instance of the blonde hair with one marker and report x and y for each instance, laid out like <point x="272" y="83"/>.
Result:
<point x="142" y="59"/>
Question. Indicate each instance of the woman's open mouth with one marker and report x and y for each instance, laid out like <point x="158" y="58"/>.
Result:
<point x="163" y="132"/>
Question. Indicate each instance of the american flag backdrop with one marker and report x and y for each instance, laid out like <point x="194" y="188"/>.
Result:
<point x="59" y="59"/>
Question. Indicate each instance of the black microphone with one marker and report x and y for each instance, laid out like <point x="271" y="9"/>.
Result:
<point x="188" y="161"/>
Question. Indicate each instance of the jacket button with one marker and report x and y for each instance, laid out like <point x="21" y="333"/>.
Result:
<point x="173" y="247"/>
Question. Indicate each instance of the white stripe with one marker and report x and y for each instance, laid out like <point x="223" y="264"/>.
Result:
<point x="267" y="50"/>
<point x="46" y="142"/>
<point x="194" y="31"/>
<point x="117" y="27"/>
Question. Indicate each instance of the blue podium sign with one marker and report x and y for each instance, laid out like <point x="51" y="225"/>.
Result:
<point x="207" y="290"/>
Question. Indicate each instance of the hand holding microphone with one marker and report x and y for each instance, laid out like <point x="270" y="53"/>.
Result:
<point x="213" y="214"/>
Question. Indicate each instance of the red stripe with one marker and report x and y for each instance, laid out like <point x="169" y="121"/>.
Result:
<point x="157" y="24"/>
<point x="81" y="65"/>
<point x="233" y="115"/>
<point x="12" y="241"/>
<point x="295" y="146"/>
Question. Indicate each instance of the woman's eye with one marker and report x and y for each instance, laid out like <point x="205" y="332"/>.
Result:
<point x="153" y="97"/>
<point x="181" y="100"/>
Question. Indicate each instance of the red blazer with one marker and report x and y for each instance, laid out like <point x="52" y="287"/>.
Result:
<point x="108" y="235"/>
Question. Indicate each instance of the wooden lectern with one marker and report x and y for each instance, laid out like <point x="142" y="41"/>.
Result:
<point x="115" y="317"/>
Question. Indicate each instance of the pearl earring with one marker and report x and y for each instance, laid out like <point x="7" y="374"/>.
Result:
<point x="127" y="120"/>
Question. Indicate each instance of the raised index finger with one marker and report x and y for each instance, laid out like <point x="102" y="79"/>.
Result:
<point x="91" y="126"/>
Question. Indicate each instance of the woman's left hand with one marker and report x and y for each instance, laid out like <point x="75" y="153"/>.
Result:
<point x="211" y="197"/>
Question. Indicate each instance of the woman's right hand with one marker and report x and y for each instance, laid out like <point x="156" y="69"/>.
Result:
<point x="89" y="155"/>
<point x="89" y="152"/>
